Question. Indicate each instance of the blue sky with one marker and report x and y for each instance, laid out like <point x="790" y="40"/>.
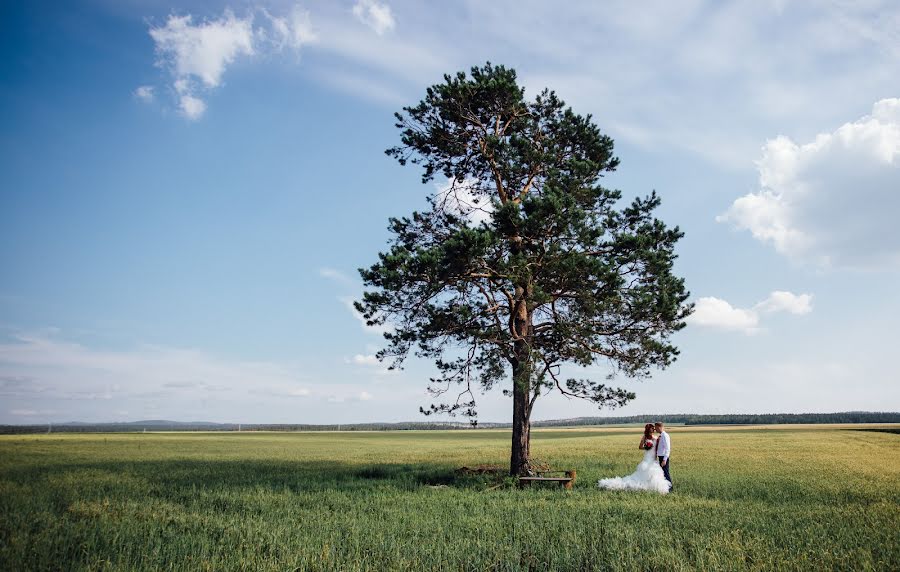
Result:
<point x="187" y="190"/>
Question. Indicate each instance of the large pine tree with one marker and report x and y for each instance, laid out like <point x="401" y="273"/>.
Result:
<point x="524" y="263"/>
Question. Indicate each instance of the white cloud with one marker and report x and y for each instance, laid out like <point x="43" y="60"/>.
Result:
<point x="375" y="15"/>
<point x="364" y="396"/>
<point x="360" y="359"/>
<point x="780" y="301"/>
<point x="833" y="201"/>
<point x="712" y="312"/>
<point x="196" y="55"/>
<point x="191" y="107"/>
<point x="203" y="50"/>
<point x="294" y="30"/>
<point x="144" y="93"/>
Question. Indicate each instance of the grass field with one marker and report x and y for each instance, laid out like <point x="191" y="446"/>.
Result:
<point x="748" y="498"/>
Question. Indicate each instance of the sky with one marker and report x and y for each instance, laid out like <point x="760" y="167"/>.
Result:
<point x="187" y="190"/>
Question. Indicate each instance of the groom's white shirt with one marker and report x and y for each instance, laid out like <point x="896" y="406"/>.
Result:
<point x="664" y="446"/>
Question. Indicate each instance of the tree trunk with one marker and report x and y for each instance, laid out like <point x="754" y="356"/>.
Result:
<point x="522" y="366"/>
<point x="520" y="460"/>
<point x="521" y="425"/>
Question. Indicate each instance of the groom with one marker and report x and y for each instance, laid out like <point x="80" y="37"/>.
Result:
<point x="663" y="449"/>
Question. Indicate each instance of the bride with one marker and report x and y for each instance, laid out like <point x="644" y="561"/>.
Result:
<point x="648" y="476"/>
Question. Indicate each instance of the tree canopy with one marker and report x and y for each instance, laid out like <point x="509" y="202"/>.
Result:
<point x="523" y="263"/>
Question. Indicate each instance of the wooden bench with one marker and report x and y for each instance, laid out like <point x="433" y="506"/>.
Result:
<point x="566" y="482"/>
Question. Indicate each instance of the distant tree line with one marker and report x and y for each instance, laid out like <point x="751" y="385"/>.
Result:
<point x="734" y="419"/>
<point x="673" y="419"/>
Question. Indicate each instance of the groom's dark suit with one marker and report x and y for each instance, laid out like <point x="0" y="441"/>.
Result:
<point x="663" y="449"/>
<point x="665" y="468"/>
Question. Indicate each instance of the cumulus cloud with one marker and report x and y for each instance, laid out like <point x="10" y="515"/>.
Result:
<point x="203" y="50"/>
<point x="780" y="301"/>
<point x="712" y="312"/>
<point x="831" y="202"/>
<point x="197" y="53"/>
<point x="375" y="15"/>
<point x="144" y="93"/>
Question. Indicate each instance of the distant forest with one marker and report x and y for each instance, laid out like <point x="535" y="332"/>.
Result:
<point x="679" y="419"/>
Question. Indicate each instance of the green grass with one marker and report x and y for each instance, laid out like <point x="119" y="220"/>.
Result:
<point x="795" y="498"/>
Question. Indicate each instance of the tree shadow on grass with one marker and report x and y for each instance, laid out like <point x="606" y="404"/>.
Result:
<point x="276" y="475"/>
<point x="894" y="430"/>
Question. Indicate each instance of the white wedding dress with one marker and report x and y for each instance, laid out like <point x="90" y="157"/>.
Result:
<point x="647" y="477"/>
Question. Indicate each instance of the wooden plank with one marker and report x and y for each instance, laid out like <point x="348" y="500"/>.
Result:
<point x="566" y="482"/>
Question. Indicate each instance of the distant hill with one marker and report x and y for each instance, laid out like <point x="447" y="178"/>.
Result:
<point x="681" y="419"/>
<point x="165" y="423"/>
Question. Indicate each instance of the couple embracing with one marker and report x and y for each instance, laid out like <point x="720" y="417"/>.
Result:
<point x="652" y="473"/>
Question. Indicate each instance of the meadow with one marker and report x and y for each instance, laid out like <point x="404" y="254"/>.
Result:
<point x="748" y="498"/>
